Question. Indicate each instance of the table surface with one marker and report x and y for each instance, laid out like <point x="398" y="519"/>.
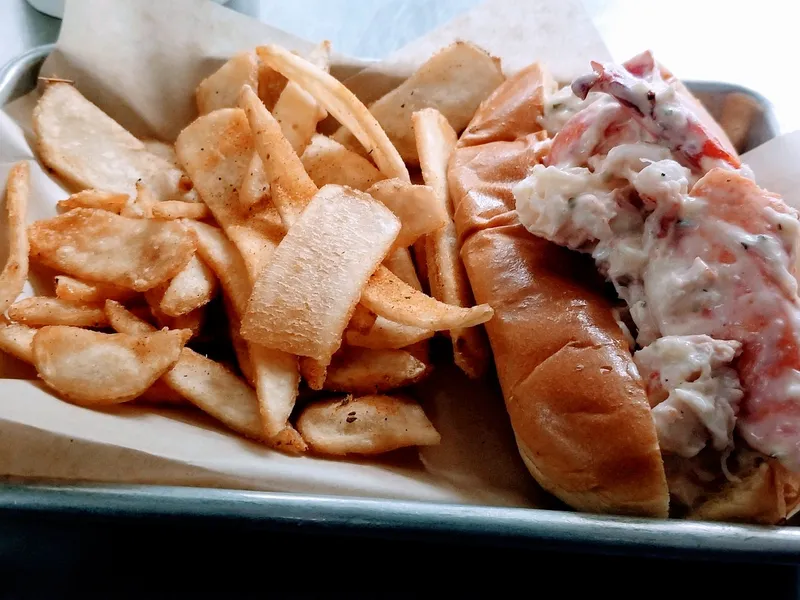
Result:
<point x="722" y="40"/>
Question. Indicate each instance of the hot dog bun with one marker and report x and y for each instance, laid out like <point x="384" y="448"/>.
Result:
<point x="574" y="397"/>
<point x="576" y="403"/>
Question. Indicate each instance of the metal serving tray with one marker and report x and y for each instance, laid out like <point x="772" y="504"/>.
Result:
<point x="485" y="525"/>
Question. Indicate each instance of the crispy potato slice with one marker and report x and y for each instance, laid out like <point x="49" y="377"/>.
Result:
<point x="387" y="296"/>
<point x="162" y="395"/>
<point x="217" y="177"/>
<point x="362" y="319"/>
<point x="304" y="298"/>
<point x="366" y="371"/>
<point x="386" y="334"/>
<point x="195" y="286"/>
<point x="400" y="263"/>
<point x="15" y="271"/>
<point x="255" y="188"/>
<point x="296" y="110"/>
<point x="96" y="245"/>
<point x="313" y="371"/>
<point x="274" y="372"/>
<point x="290" y="187"/>
<point x="39" y="311"/>
<point x="88" y="149"/>
<point x="16" y="339"/>
<point x="192" y="321"/>
<point x="221" y="88"/>
<point x="341" y="103"/>
<point x="95" y="369"/>
<point x="455" y="81"/>
<point x="177" y="209"/>
<point x="327" y="161"/>
<point x="415" y="205"/>
<point x="447" y="276"/>
<point x="365" y="425"/>
<point x="208" y="385"/>
<point x="81" y="292"/>
<point x="110" y="201"/>
<point x="270" y="84"/>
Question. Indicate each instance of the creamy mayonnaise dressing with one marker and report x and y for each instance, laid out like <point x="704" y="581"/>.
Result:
<point x="709" y="285"/>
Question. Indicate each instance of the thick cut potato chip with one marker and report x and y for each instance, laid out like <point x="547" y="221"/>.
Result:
<point x="15" y="271"/>
<point x="296" y="110"/>
<point x="400" y="263"/>
<point x="365" y="425"/>
<point x="270" y="84"/>
<point x="208" y="385"/>
<point x="385" y="334"/>
<point x="177" y="209"/>
<point x="365" y="371"/>
<point x="447" y="277"/>
<point x="195" y="286"/>
<point x="82" y="292"/>
<point x="16" y="339"/>
<point x="454" y="81"/>
<point x="387" y="296"/>
<point x="273" y="372"/>
<point x="39" y="311"/>
<point x="88" y="149"/>
<point x="192" y="321"/>
<point x="415" y="205"/>
<point x="341" y="103"/>
<point x="218" y="175"/>
<point x="327" y="161"/>
<point x="221" y="88"/>
<point x="96" y="245"/>
<point x="110" y="201"/>
<point x="290" y="187"/>
<point x="94" y="369"/>
<point x="304" y="298"/>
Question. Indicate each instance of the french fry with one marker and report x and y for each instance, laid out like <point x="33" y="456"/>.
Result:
<point x="416" y="206"/>
<point x="178" y="209"/>
<point x="89" y="150"/>
<point x="362" y="319"/>
<point x="255" y="188"/>
<point x="275" y="373"/>
<point x="327" y="161"/>
<point x="110" y="201"/>
<point x="91" y="368"/>
<point x="400" y="263"/>
<point x="195" y="286"/>
<point x="341" y="103"/>
<point x="96" y="245"/>
<point x="141" y="205"/>
<point x="365" y="371"/>
<point x="82" y="292"/>
<point x="386" y="334"/>
<point x="304" y="298"/>
<point x="15" y="271"/>
<point x="365" y="425"/>
<point x="313" y="371"/>
<point x="39" y="311"/>
<point x="16" y="339"/>
<point x="455" y="81"/>
<point x="447" y="277"/>
<point x="208" y="385"/>
<point x="221" y="88"/>
<point x="387" y="296"/>
<point x="296" y="110"/>
<point x="218" y="179"/>
<point x="291" y="189"/>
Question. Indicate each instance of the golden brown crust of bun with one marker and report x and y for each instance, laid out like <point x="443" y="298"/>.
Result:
<point x="576" y="402"/>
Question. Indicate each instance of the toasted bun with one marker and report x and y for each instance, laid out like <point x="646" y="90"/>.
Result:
<point x="576" y="402"/>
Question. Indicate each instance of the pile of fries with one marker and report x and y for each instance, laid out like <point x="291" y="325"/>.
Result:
<point x="325" y="264"/>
